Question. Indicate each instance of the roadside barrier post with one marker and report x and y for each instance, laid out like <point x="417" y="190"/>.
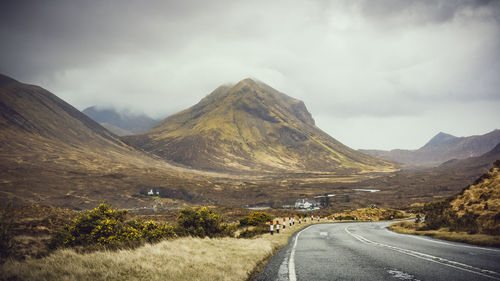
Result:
<point x="277" y="227"/>
<point x="271" y="228"/>
<point x="284" y="224"/>
<point x="293" y="220"/>
<point x="318" y="218"/>
<point x="300" y="220"/>
<point x="312" y="218"/>
<point x="290" y="221"/>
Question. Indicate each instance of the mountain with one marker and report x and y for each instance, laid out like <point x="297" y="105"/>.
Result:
<point x="32" y="111"/>
<point x="116" y="130"/>
<point x="52" y="154"/>
<point x="427" y="184"/>
<point x="251" y="127"/>
<point x="442" y="139"/>
<point x="473" y="163"/>
<point x="120" y="122"/>
<point x="441" y="148"/>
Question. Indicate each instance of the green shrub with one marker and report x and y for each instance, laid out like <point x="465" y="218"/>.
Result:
<point x="106" y="227"/>
<point x="200" y="223"/>
<point x="392" y="214"/>
<point x="153" y="232"/>
<point x="467" y="223"/>
<point x="254" y="219"/>
<point x="438" y="214"/>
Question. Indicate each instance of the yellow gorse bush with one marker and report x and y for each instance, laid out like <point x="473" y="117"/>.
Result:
<point x="106" y="227"/>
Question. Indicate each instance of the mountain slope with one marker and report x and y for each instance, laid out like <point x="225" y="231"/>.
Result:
<point x="120" y="123"/>
<point x="475" y="209"/>
<point x="441" y="148"/>
<point x="421" y="185"/>
<point x="51" y="153"/>
<point x="251" y="127"/>
<point x="27" y="109"/>
<point x="472" y="163"/>
<point x="116" y="130"/>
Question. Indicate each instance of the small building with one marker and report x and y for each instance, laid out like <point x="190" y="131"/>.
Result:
<point x="153" y="192"/>
<point x="305" y="204"/>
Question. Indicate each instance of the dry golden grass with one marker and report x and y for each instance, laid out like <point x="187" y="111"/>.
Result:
<point x="445" y="234"/>
<point x="373" y="214"/>
<point x="481" y="199"/>
<point x="180" y="259"/>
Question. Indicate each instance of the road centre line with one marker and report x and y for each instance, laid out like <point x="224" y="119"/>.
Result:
<point x="423" y="256"/>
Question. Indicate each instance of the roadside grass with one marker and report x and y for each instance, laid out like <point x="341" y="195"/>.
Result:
<point x="369" y="214"/>
<point x="445" y="234"/>
<point x="185" y="258"/>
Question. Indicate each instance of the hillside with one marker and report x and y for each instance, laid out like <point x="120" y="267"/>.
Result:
<point x="481" y="201"/>
<point x="31" y="109"/>
<point x="252" y="127"/>
<point x="471" y="216"/>
<point x="120" y="123"/>
<point x="51" y="153"/>
<point x="429" y="184"/>
<point x="116" y="130"/>
<point x="441" y="148"/>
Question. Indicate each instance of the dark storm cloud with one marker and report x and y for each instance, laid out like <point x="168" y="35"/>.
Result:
<point x="47" y="36"/>
<point x="356" y="64"/>
<point x="423" y="11"/>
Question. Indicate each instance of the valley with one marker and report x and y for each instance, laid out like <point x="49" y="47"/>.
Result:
<point x="249" y="140"/>
<point x="51" y="154"/>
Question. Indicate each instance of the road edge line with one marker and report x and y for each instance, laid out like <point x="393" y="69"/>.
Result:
<point x="291" y="261"/>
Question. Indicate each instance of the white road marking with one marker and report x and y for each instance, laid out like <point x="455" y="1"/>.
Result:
<point x="291" y="262"/>
<point x="401" y="275"/>
<point x="442" y="242"/>
<point x="423" y="256"/>
<point x="323" y="233"/>
<point x="283" y="270"/>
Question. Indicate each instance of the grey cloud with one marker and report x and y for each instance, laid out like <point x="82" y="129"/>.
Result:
<point x="426" y="11"/>
<point x="386" y="60"/>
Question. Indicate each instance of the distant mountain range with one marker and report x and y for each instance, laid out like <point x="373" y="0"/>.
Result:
<point x="261" y="145"/>
<point x="428" y="184"/>
<point x="250" y="126"/>
<point x="121" y="123"/>
<point x="441" y="148"/>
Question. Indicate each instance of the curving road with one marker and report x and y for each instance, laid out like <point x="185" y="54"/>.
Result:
<point x="368" y="251"/>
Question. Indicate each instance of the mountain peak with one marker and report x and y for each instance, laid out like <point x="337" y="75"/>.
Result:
<point x="245" y="85"/>
<point x="440" y="139"/>
<point x="248" y="81"/>
<point x="247" y="127"/>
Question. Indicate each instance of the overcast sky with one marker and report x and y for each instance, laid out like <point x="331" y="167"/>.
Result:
<point x="374" y="74"/>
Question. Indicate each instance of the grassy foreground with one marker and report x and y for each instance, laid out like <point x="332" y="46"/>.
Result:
<point x="180" y="259"/>
<point x="446" y="234"/>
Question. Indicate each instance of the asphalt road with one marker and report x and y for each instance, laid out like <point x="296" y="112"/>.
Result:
<point x="368" y="251"/>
